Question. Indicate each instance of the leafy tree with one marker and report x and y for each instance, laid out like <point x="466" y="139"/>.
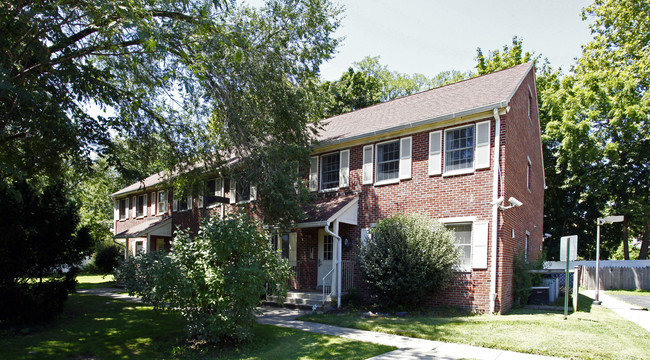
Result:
<point x="355" y="90"/>
<point x="497" y="60"/>
<point x="395" y="84"/>
<point x="183" y="82"/>
<point x="408" y="257"/>
<point x="612" y="78"/>
<point x="39" y="236"/>
<point x="214" y="279"/>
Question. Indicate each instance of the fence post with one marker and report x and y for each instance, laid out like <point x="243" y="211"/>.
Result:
<point x="576" y="281"/>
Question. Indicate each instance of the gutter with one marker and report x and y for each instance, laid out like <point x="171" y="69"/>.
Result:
<point x="495" y="209"/>
<point x="338" y="264"/>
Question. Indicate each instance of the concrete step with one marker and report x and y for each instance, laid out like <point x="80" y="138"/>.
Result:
<point x="301" y="300"/>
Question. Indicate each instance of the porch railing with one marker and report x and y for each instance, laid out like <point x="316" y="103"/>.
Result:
<point x="327" y="285"/>
<point x="347" y="275"/>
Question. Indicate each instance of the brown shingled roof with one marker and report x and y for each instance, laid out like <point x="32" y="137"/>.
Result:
<point x="462" y="98"/>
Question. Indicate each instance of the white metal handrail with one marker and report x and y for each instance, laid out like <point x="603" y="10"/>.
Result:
<point x="329" y="286"/>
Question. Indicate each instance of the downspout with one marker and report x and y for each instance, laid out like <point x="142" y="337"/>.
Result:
<point x="495" y="208"/>
<point x="338" y="263"/>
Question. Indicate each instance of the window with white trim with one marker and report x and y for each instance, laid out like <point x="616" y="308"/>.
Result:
<point x="162" y="202"/>
<point x="142" y="205"/>
<point x="213" y="188"/>
<point x="329" y="171"/>
<point x="124" y="207"/>
<point x="528" y="168"/>
<point x="182" y="202"/>
<point x="459" y="149"/>
<point x="463" y="242"/>
<point x="387" y="166"/>
<point x="243" y="190"/>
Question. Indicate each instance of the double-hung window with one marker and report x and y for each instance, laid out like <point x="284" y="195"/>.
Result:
<point x="214" y="188"/>
<point x="182" y="202"/>
<point x="463" y="243"/>
<point x="330" y="165"/>
<point x="162" y="202"/>
<point x="243" y="190"/>
<point x="124" y="208"/>
<point x="141" y="209"/>
<point x="459" y="149"/>
<point x="471" y="241"/>
<point x="387" y="161"/>
<point x="330" y="171"/>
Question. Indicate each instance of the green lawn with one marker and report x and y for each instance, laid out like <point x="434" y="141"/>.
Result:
<point x="95" y="281"/>
<point x="628" y="292"/>
<point x="94" y="327"/>
<point x="590" y="333"/>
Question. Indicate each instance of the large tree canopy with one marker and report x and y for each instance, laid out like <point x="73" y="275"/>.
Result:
<point x="183" y="82"/>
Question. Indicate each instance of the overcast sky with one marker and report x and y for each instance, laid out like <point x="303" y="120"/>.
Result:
<point x="427" y="37"/>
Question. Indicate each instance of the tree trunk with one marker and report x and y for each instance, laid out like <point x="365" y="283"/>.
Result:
<point x="645" y="239"/>
<point x="626" y="248"/>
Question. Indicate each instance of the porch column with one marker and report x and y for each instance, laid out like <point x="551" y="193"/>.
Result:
<point x="335" y="256"/>
<point x="147" y="247"/>
<point x="126" y="248"/>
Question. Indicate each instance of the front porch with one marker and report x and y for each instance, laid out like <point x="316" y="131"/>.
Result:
<point x="320" y="252"/>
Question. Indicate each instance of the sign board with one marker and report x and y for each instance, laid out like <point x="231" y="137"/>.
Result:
<point x="574" y="247"/>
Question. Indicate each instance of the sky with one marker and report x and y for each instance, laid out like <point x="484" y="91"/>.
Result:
<point x="427" y="37"/>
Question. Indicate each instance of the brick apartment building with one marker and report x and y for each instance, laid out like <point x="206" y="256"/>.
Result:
<point x="467" y="154"/>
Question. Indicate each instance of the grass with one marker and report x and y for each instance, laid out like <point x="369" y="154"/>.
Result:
<point x="95" y="281"/>
<point x="93" y="327"/>
<point x="628" y="292"/>
<point x="590" y="333"/>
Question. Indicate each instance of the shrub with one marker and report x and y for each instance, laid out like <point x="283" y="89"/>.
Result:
<point x="214" y="279"/>
<point x="39" y="237"/>
<point x="522" y="279"/>
<point x="107" y="259"/>
<point x="408" y="258"/>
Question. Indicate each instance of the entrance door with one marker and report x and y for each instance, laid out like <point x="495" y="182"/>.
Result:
<point x="325" y="255"/>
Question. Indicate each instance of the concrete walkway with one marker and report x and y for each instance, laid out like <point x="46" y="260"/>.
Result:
<point x="111" y="293"/>
<point x="408" y="348"/>
<point x="631" y="312"/>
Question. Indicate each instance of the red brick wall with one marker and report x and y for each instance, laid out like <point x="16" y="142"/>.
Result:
<point x="522" y="141"/>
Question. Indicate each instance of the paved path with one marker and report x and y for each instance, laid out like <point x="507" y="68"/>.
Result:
<point x="631" y="312"/>
<point x="408" y="348"/>
<point x="642" y="301"/>
<point x="111" y="293"/>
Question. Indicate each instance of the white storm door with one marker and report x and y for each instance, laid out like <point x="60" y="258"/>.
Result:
<point x="325" y="255"/>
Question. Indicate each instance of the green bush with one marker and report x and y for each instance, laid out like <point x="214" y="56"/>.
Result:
<point x="408" y="258"/>
<point x="107" y="259"/>
<point x="214" y="278"/>
<point x="522" y="279"/>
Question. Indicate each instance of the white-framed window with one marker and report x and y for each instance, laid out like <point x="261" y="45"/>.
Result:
<point x="213" y="188"/>
<point x="471" y="241"/>
<point x="141" y="207"/>
<point x="330" y="171"/>
<point x="124" y="208"/>
<point x="459" y="149"/>
<point x="162" y="202"/>
<point x="467" y="148"/>
<point x="182" y="201"/>
<point x="463" y="242"/>
<point x="330" y="165"/>
<point x="242" y="191"/>
<point x="286" y="243"/>
<point x="387" y="165"/>
<point x="528" y="169"/>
